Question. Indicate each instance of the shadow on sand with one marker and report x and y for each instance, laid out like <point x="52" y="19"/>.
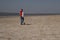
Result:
<point x="26" y="24"/>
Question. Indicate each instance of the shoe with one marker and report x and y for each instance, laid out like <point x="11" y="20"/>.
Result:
<point x="24" y="23"/>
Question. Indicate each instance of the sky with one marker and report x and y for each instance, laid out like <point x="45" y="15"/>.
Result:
<point x="30" y="6"/>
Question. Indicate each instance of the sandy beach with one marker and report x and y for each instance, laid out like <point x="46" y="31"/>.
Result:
<point x="43" y="27"/>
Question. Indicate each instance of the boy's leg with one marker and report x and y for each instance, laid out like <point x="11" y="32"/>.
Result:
<point x="21" y="20"/>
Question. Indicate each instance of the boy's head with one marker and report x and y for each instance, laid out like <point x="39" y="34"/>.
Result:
<point x="21" y="9"/>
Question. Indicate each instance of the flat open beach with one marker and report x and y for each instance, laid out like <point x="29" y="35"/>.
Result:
<point x="43" y="27"/>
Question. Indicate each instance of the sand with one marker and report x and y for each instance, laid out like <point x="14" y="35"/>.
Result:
<point x="43" y="27"/>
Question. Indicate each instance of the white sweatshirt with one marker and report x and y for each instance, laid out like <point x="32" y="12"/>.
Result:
<point x="22" y="14"/>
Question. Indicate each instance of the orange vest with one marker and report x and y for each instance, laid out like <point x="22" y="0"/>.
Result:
<point x="20" y="13"/>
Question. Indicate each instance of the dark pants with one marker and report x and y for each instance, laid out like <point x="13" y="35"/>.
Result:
<point x="22" y="20"/>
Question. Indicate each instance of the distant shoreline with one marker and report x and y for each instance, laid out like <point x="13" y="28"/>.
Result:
<point x="30" y="14"/>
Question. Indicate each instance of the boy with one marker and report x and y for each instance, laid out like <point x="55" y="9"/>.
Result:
<point x="22" y="16"/>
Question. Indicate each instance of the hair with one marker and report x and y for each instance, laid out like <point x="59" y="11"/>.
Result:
<point x="22" y="9"/>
